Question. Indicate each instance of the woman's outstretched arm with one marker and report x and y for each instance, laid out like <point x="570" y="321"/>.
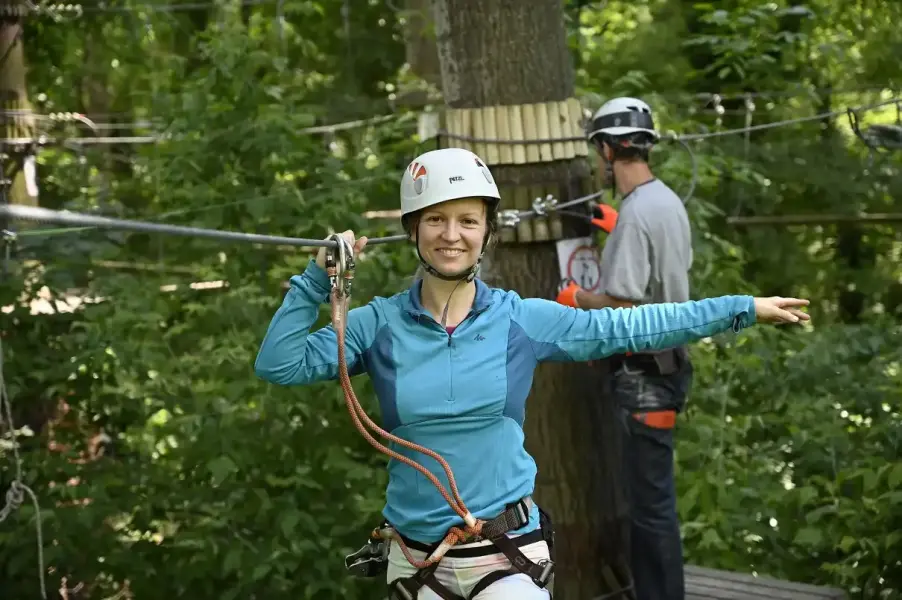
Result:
<point x="291" y="355"/>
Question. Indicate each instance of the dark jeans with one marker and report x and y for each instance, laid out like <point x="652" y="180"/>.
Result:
<point x="656" y="557"/>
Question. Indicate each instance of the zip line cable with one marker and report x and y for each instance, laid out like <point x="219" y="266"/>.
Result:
<point x="508" y="218"/>
<point x="208" y="207"/>
<point x="165" y="7"/>
<point x="150" y="139"/>
<point x="73" y="219"/>
<point x="686" y="137"/>
<point x="691" y="137"/>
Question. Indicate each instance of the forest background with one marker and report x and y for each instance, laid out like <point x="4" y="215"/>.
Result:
<point x="159" y="459"/>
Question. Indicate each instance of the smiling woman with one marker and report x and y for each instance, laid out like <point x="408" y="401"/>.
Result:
<point x="452" y="362"/>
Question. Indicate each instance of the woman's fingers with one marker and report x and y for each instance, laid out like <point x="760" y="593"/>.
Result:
<point x="790" y="302"/>
<point x="790" y="312"/>
<point x="802" y="316"/>
<point x="792" y="315"/>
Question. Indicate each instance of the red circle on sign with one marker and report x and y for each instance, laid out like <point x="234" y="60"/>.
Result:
<point x="584" y="268"/>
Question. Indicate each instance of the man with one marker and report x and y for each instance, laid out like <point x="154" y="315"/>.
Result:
<point x="646" y="259"/>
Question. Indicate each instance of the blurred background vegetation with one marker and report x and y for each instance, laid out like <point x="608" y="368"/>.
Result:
<point x="161" y="461"/>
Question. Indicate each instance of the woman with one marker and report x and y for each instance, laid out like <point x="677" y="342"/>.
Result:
<point x="452" y="361"/>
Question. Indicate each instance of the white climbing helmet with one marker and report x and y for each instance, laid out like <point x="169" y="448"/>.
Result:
<point x="622" y="116"/>
<point x="446" y="174"/>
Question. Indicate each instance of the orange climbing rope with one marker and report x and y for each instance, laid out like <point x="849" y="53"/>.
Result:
<point x="341" y="272"/>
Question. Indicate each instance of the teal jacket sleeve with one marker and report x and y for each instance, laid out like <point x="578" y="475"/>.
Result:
<point x="291" y="355"/>
<point x="562" y="333"/>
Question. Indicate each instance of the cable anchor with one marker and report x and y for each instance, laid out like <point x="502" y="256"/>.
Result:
<point x="541" y="206"/>
<point x="508" y="218"/>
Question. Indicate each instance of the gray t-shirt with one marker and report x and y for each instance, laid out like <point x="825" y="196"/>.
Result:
<point x="646" y="258"/>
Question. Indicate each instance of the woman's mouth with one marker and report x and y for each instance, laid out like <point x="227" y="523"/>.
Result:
<point x="450" y="252"/>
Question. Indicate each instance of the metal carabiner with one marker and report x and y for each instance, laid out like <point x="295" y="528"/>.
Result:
<point x="340" y="265"/>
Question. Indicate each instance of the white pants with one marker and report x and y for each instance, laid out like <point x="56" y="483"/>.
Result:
<point x="461" y="574"/>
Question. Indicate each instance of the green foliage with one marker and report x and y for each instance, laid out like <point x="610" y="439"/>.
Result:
<point x="212" y="483"/>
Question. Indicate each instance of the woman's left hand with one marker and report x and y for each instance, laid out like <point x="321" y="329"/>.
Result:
<point x="780" y="310"/>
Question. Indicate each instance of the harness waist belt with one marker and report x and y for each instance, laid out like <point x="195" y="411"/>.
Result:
<point x="473" y="551"/>
<point x="515" y="516"/>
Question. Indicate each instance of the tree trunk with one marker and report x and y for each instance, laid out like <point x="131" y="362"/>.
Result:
<point x="422" y="84"/>
<point x="18" y="169"/>
<point x="498" y="52"/>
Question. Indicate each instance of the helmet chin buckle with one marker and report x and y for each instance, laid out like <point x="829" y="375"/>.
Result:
<point x="468" y="274"/>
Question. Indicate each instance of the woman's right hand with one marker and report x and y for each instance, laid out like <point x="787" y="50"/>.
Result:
<point x="348" y="235"/>
<point x="780" y="310"/>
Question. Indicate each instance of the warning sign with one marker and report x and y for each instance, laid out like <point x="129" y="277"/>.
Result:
<point x="579" y="260"/>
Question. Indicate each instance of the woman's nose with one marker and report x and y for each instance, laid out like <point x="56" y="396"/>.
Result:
<point x="450" y="231"/>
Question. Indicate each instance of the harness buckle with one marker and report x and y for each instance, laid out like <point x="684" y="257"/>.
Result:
<point x="400" y="590"/>
<point x="521" y="511"/>
<point x="545" y="576"/>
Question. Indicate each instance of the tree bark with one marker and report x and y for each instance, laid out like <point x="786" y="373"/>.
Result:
<point x="421" y="52"/>
<point x="422" y="85"/>
<point x="501" y="52"/>
<point x="19" y="181"/>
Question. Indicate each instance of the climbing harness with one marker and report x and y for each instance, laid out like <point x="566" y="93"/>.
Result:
<point x="371" y="559"/>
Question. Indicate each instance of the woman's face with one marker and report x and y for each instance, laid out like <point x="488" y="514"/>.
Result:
<point x="450" y="234"/>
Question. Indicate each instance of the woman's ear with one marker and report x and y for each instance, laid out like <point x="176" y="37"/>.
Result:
<point x="411" y="226"/>
<point x="490" y="237"/>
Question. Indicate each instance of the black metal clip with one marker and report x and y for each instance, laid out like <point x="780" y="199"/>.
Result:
<point x="370" y="561"/>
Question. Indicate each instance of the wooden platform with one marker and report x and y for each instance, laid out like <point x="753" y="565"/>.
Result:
<point x="712" y="584"/>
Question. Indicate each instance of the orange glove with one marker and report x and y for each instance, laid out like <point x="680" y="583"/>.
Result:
<point x="567" y="296"/>
<point x="608" y="218"/>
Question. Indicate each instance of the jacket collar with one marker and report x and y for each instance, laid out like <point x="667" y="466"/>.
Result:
<point x="414" y="305"/>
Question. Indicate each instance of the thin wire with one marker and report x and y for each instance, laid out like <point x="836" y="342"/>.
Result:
<point x="44" y="215"/>
<point x="826" y="115"/>
<point x="167" y="7"/>
<point x="699" y="96"/>
<point x="470" y="139"/>
<point x="692" y="159"/>
<point x="63" y="116"/>
<point x="674" y="136"/>
<point x="207" y="207"/>
<point x="45" y="140"/>
<point x="15" y="495"/>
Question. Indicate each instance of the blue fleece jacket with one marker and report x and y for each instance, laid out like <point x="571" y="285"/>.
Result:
<point x="464" y="394"/>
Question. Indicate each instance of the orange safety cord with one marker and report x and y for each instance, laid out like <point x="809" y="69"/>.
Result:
<point x="339" y="305"/>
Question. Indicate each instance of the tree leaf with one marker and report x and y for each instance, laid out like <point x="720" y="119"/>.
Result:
<point x="221" y="467"/>
<point x="894" y="479"/>
<point x="808" y="536"/>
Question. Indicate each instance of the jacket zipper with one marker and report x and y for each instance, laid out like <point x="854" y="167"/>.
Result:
<point x="471" y="314"/>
